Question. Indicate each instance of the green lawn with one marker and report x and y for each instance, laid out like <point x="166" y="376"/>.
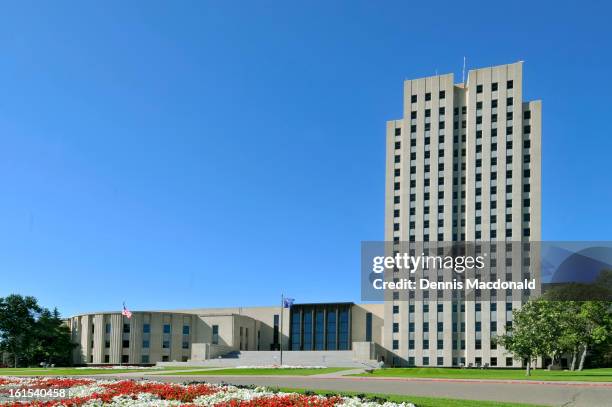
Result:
<point x="589" y="375"/>
<point x="420" y="401"/>
<point x="59" y="371"/>
<point x="261" y="372"/>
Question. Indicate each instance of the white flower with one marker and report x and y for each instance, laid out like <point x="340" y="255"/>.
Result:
<point x="223" y="394"/>
<point x="355" y="402"/>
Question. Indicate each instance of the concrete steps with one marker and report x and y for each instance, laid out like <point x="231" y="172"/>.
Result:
<point x="290" y="358"/>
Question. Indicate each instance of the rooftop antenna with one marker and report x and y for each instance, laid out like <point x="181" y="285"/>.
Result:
<point x="463" y="74"/>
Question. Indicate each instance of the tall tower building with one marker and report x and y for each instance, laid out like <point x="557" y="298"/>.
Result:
<point x="463" y="165"/>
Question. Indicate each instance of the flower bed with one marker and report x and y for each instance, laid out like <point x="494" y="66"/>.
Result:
<point x="60" y="392"/>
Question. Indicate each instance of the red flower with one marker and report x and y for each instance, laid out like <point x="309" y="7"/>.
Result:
<point x="284" y="401"/>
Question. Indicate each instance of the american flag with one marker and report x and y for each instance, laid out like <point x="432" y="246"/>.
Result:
<point x="126" y="312"/>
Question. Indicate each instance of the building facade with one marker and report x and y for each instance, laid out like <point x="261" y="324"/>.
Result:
<point x="463" y="165"/>
<point x="205" y="334"/>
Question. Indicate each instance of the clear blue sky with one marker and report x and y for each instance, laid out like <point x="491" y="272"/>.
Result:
<point x="219" y="153"/>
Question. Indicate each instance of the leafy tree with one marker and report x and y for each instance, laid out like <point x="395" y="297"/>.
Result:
<point x="535" y="332"/>
<point x="52" y="345"/>
<point x="597" y="326"/>
<point x="31" y="334"/>
<point x="552" y="328"/>
<point x="18" y="326"/>
<point x="598" y="291"/>
<point x="572" y="329"/>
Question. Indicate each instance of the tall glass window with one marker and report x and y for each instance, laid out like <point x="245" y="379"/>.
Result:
<point x="295" y="330"/>
<point x="307" y="341"/>
<point x="369" y="327"/>
<point x="275" y="339"/>
<point x="215" y="334"/>
<point x="320" y="330"/>
<point x="331" y="329"/>
<point x="343" y="328"/>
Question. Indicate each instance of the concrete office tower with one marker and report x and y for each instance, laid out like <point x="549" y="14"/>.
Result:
<point x="463" y="165"/>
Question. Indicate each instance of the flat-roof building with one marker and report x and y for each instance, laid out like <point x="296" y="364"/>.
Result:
<point x="335" y="333"/>
<point x="463" y="164"/>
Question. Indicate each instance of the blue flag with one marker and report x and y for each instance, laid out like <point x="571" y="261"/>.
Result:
<point x="288" y="302"/>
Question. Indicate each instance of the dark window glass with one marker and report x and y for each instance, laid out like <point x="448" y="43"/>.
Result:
<point x="343" y="326"/>
<point x="319" y="330"/>
<point x="215" y="332"/>
<point x="296" y="332"/>
<point x="307" y="335"/>
<point x="331" y="330"/>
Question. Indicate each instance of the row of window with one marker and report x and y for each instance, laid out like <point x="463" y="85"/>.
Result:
<point x="479" y="89"/>
<point x="477" y="235"/>
<point x="457" y="345"/>
<point x="146" y="328"/>
<point x="460" y="361"/>
<point x="494" y="119"/>
<point x="478" y="220"/>
<point x="143" y="359"/>
<point x="440" y="307"/>
<point x="456" y="294"/>
<point x="495" y="86"/>
<point x="145" y="344"/>
<point x="441" y="95"/>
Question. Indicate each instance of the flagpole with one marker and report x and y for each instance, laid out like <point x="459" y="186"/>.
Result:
<point x="121" y="330"/>
<point x="280" y="336"/>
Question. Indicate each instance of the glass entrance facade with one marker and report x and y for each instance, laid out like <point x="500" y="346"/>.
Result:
<point x="320" y="326"/>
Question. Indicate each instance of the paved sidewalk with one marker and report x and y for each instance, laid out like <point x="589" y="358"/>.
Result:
<point x="340" y="373"/>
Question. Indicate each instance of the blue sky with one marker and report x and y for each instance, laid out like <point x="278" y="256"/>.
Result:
<point x="219" y="153"/>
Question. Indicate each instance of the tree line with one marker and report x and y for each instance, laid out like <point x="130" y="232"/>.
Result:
<point x="551" y="329"/>
<point x="31" y="334"/>
<point x="569" y="319"/>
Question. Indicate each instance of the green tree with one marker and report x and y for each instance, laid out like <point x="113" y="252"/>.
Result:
<point x="535" y="332"/>
<point x="552" y="328"/>
<point x="572" y="329"/>
<point x="596" y="326"/>
<point x="18" y="326"/>
<point x="52" y="344"/>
